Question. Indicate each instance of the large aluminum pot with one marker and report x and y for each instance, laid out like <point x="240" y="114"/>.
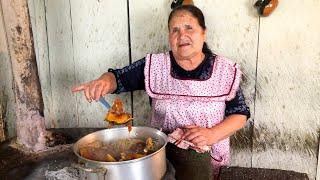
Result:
<point x="150" y="167"/>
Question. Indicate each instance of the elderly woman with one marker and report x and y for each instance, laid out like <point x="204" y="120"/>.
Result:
<point x="190" y="88"/>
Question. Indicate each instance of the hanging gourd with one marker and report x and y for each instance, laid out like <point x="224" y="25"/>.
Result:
<point x="176" y="3"/>
<point x="266" y="7"/>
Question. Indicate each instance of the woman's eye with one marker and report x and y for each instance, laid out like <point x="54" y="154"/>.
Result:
<point x="188" y="27"/>
<point x="175" y="30"/>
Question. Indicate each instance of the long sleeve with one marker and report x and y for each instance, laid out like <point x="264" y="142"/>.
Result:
<point x="130" y="77"/>
<point x="237" y="105"/>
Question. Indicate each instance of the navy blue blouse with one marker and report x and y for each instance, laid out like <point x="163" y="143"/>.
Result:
<point x="131" y="78"/>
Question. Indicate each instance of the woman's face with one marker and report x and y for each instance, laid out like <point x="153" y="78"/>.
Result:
<point x="186" y="36"/>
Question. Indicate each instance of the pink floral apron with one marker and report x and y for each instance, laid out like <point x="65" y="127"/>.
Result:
<point x="180" y="102"/>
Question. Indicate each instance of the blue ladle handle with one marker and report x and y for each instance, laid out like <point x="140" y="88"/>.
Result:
<point x="103" y="101"/>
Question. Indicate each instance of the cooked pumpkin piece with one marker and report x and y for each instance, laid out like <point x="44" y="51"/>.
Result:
<point x="110" y="158"/>
<point x="116" y="113"/>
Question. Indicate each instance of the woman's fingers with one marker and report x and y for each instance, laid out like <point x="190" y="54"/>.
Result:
<point x="199" y="141"/>
<point x="98" y="92"/>
<point x="105" y="90"/>
<point x="87" y="93"/>
<point x="93" y="90"/>
<point x="85" y="88"/>
<point x="197" y="135"/>
<point x="187" y="132"/>
<point x="93" y="86"/>
<point x="78" y="88"/>
<point x="189" y="136"/>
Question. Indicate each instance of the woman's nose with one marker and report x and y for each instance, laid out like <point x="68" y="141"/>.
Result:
<point x="182" y="33"/>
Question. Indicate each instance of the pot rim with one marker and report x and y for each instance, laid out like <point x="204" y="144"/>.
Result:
<point x="122" y="162"/>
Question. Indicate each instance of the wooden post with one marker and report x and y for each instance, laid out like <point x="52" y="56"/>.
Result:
<point x="29" y="104"/>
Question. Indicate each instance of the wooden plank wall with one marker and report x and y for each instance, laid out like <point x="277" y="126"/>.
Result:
<point x="83" y="39"/>
<point x="38" y="21"/>
<point x="6" y="92"/>
<point x="287" y="121"/>
<point x="100" y="41"/>
<point x="76" y="41"/>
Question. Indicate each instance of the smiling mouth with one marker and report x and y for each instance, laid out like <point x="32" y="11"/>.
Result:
<point x="184" y="44"/>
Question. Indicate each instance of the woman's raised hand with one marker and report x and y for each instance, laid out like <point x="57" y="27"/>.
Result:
<point x="94" y="89"/>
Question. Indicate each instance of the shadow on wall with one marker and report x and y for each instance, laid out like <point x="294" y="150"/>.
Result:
<point x="3" y="110"/>
<point x="265" y="138"/>
<point x="5" y="80"/>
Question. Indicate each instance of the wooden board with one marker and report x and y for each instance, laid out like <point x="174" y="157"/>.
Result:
<point x="288" y="82"/>
<point x="61" y="63"/>
<point x="37" y="11"/>
<point x="232" y="31"/>
<point x="79" y="44"/>
<point x="149" y="34"/>
<point x="100" y="41"/>
<point x="6" y="93"/>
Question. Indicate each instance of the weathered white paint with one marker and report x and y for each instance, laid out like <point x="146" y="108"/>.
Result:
<point x="288" y="82"/>
<point x="61" y="64"/>
<point x="149" y="34"/>
<point x="232" y="31"/>
<point x="100" y="41"/>
<point x="38" y="20"/>
<point x="6" y="93"/>
<point x="77" y="38"/>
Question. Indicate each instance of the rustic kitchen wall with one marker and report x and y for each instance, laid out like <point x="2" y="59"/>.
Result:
<point x="7" y="113"/>
<point x="233" y="32"/>
<point x="77" y="40"/>
<point x="83" y="39"/>
<point x="287" y="121"/>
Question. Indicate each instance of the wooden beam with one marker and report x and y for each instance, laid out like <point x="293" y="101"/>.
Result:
<point x="29" y="103"/>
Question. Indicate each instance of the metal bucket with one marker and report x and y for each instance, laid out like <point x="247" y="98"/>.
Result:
<point x="150" y="167"/>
